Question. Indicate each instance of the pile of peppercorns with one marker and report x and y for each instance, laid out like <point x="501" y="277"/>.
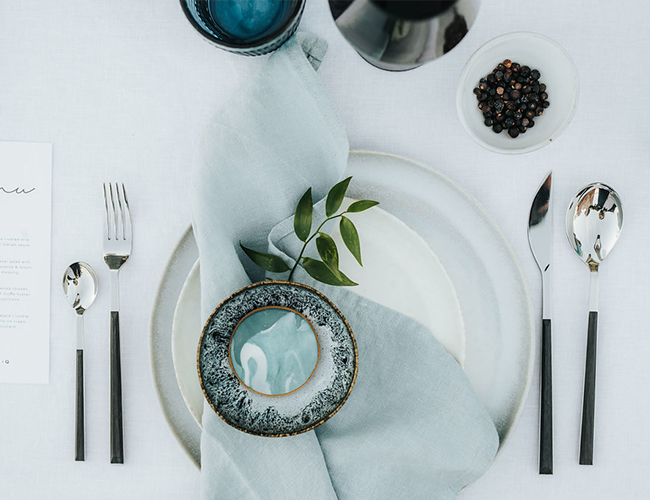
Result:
<point x="511" y="97"/>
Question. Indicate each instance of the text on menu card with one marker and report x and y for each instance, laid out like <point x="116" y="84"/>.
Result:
<point x="25" y="247"/>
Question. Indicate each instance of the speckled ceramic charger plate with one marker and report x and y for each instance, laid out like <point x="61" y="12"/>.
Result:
<point x="490" y="286"/>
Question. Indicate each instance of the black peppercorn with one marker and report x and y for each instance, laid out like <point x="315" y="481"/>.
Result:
<point x="510" y="97"/>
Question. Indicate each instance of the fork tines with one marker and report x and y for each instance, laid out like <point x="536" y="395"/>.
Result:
<point x="118" y="213"/>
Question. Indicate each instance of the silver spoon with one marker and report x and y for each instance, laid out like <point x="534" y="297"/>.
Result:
<point x="594" y="221"/>
<point x="80" y="288"/>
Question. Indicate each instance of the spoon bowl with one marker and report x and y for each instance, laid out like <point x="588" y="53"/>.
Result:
<point x="593" y="223"/>
<point x="80" y="286"/>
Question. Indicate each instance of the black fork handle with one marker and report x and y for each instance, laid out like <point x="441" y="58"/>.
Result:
<point x="117" y="433"/>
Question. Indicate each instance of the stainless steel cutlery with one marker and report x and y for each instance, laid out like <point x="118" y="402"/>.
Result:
<point x="117" y="249"/>
<point x="540" y="227"/>
<point x="594" y="221"/>
<point x="80" y="288"/>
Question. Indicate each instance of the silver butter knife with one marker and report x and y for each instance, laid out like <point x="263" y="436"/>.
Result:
<point x="539" y="237"/>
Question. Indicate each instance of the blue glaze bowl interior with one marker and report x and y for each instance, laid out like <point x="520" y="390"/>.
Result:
<point x="274" y="351"/>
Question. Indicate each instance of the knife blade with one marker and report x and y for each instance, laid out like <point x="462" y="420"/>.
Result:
<point x="540" y="238"/>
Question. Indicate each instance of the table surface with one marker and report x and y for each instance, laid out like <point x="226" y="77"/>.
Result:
<point x="123" y="90"/>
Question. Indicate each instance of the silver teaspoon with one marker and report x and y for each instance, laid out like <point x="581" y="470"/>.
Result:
<point x="594" y="221"/>
<point x="80" y="288"/>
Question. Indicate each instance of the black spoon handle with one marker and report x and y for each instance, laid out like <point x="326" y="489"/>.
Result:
<point x="546" y="395"/>
<point x="589" y="395"/>
<point x="79" y="423"/>
<point x="117" y="437"/>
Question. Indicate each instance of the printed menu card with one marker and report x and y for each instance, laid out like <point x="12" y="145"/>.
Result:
<point x="25" y="244"/>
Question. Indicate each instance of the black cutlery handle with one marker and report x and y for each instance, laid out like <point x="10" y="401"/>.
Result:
<point x="546" y="396"/>
<point x="117" y="436"/>
<point x="589" y="395"/>
<point x="79" y="423"/>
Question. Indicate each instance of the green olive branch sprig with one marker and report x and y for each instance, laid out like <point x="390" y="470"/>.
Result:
<point x="327" y="269"/>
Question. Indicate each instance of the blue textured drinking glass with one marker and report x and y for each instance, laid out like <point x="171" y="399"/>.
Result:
<point x="247" y="27"/>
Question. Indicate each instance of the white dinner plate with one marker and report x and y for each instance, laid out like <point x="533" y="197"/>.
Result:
<point x="490" y="287"/>
<point x="399" y="271"/>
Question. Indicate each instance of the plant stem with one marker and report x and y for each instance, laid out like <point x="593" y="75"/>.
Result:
<point x="304" y="246"/>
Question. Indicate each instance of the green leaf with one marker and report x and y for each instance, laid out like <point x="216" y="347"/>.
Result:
<point x="328" y="252"/>
<point x="351" y="238"/>
<point x="335" y="196"/>
<point x="303" y="219"/>
<point x="360" y="206"/>
<point x="266" y="261"/>
<point x="320" y="272"/>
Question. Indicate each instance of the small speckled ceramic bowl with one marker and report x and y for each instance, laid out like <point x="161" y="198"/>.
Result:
<point x="557" y="71"/>
<point x="298" y="411"/>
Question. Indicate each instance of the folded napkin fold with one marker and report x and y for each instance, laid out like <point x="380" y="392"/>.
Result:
<point x="413" y="427"/>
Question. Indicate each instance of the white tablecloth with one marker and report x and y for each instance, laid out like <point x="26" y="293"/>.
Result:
<point x="123" y="89"/>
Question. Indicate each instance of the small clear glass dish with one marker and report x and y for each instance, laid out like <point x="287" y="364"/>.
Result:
<point x="558" y="72"/>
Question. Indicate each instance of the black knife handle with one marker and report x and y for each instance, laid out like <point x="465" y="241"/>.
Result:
<point x="117" y="436"/>
<point x="79" y="423"/>
<point x="589" y="395"/>
<point x="546" y="397"/>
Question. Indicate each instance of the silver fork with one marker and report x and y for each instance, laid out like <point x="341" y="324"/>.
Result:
<point x="117" y="249"/>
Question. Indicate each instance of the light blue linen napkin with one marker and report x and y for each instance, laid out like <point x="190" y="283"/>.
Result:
<point x="413" y="427"/>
